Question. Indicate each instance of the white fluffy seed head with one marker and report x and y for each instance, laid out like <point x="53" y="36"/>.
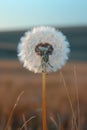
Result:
<point x="42" y="35"/>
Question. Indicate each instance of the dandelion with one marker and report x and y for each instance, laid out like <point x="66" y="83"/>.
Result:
<point x="43" y="50"/>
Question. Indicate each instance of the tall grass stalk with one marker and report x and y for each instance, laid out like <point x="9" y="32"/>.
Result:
<point x="26" y="122"/>
<point x="70" y="101"/>
<point x="12" y="111"/>
<point x="77" y="97"/>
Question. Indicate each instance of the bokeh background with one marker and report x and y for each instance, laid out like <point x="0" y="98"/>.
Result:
<point x="18" y="16"/>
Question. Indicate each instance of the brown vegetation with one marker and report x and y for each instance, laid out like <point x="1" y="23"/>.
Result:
<point x="14" y="79"/>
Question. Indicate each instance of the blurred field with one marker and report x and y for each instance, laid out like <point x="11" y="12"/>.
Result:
<point x="14" y="79"/>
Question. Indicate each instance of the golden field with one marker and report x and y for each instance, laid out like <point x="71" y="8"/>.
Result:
<point x="14" y="79"/>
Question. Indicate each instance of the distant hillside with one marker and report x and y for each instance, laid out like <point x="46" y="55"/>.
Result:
<point x="77" y="36"/>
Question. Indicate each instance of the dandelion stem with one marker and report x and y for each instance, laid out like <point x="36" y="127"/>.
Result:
<point x="44" y="101"/>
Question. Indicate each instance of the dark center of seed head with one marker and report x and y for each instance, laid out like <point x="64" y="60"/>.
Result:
<point x="44" y="49"/>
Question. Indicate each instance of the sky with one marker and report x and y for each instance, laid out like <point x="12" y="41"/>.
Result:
<point x="19" y="14"/>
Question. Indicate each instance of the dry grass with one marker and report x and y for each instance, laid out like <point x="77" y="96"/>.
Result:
<point x="14" y="79"/>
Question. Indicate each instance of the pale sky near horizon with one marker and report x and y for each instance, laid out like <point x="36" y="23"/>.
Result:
<point x="15" y="14"/>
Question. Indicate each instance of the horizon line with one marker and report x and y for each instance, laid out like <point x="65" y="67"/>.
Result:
<point x="30" y="27"/>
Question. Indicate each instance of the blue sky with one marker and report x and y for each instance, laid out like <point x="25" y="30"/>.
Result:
<point x="15" y="14"/>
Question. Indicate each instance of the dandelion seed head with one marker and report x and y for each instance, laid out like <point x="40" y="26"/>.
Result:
<point x="43" y="49"/>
